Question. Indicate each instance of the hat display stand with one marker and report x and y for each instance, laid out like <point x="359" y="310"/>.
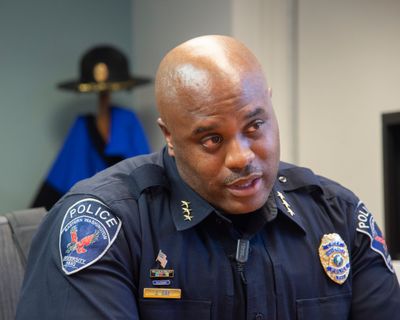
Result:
<point x="104" y="69"/>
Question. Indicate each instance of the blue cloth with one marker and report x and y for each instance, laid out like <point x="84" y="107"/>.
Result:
<point x="84" y="152"/>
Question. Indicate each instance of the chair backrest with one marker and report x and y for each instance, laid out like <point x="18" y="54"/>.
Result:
<point x="16" y="231"/>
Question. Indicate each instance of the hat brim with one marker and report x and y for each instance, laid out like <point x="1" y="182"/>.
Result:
<point x="84" y="87"/>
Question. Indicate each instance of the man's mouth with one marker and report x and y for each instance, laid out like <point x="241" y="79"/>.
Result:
<point x="245" y="186"/>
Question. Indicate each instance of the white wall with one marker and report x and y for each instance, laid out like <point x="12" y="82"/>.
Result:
<point x="349" y="70"/>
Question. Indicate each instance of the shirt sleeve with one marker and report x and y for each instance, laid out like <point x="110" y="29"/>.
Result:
<point x="79" y="266"/>
<point x="376" y="292"/>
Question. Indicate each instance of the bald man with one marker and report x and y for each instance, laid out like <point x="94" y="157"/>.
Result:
<point x="214" y="226"/>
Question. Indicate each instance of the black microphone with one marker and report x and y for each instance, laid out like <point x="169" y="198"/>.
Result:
<point x="242" y="250"/>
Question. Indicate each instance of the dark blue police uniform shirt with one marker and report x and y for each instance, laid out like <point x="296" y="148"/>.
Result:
<point x="94" y="253"/>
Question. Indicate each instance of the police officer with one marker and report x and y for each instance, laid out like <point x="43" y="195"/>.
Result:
<point x="214" y="226"/>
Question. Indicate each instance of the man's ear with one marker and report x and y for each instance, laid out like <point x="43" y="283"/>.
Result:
<point x="167" y="136"/>
<point x="270" y="92"/>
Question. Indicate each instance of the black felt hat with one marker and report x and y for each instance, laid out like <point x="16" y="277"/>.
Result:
<point x="104" y="68"/>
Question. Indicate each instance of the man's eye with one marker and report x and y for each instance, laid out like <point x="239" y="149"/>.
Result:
<point x="255" y="126"/>
<point x="211" y="141"/>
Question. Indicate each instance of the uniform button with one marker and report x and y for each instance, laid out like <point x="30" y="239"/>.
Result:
<point x="259" y="316"/>
<point x="282" y="179"/>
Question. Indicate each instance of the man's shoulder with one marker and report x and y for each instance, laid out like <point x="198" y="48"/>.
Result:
<point x="292" y="177"/>
<point x="124" y="180"/>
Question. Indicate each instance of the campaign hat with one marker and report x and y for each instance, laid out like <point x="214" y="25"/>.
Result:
<point x="104" y="68"/>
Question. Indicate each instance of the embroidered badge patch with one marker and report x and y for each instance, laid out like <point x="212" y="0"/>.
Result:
<point x="367" y="225"/>
<point x="87" y="231"/>
<point x="334" y="257"/>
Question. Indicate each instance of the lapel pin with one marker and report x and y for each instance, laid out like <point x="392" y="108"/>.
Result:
<point x="162" y="259"/>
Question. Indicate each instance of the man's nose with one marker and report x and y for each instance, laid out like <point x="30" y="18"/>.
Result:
<point x="239" y="153"/>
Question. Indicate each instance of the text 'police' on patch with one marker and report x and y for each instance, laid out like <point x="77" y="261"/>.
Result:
<point x="367" y="225"/>
<point x="87" y="231"/>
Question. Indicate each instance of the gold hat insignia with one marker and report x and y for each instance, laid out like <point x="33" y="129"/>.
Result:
<point x="100" y="72"/>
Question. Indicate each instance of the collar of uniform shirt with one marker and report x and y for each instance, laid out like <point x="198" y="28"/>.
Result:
<point x="201" y="209"/>
<point x="249" y="224"/>
<point x="283" y="210"/>
<point x="180" y="192"/>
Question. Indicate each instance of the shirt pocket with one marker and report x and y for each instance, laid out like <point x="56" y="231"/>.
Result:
<point x="324" y="308"/>
<point x="175" y="309"/>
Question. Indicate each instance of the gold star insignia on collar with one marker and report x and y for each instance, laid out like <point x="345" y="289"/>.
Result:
<point x="187" y="212"/>
<point x="285" y="203"/>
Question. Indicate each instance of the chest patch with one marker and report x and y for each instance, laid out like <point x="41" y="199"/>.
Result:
<point x="87" y="232"/>
<point x="366" y="224"/>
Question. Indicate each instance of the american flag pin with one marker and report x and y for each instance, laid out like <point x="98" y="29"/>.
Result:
<point x="162" y="259"/>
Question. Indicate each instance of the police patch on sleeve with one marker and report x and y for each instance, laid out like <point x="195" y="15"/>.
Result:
<point x="87" y="232"/>
<point x="366" y="224"/>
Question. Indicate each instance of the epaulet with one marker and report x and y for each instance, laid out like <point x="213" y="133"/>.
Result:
<point x="146" y="176"/>
<point x="292" y="178"/>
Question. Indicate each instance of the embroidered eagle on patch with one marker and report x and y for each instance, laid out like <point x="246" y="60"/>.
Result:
<point x="79" y="246"/>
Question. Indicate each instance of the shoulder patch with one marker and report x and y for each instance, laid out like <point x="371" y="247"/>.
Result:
<point x="366" y="224"/>
<point x="88" y="230"/>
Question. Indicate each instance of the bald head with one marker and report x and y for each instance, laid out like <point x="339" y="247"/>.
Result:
<point x="201" y="70"/>
<point x="218" y="122"/>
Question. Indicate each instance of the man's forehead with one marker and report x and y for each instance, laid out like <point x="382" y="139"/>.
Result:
<point x="203" y="86"/>
<point x="191" y="75"/>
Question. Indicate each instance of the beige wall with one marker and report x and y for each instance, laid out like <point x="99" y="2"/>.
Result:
<point x="349" y="70"/>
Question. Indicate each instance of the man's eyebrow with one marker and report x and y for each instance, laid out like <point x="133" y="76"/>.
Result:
<point x="212" y="127"/>
<point x="203" y="129"/>
<point x="255" y="113"/>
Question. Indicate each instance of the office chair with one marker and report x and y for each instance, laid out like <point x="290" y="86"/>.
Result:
<point x="16" y="231"/>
